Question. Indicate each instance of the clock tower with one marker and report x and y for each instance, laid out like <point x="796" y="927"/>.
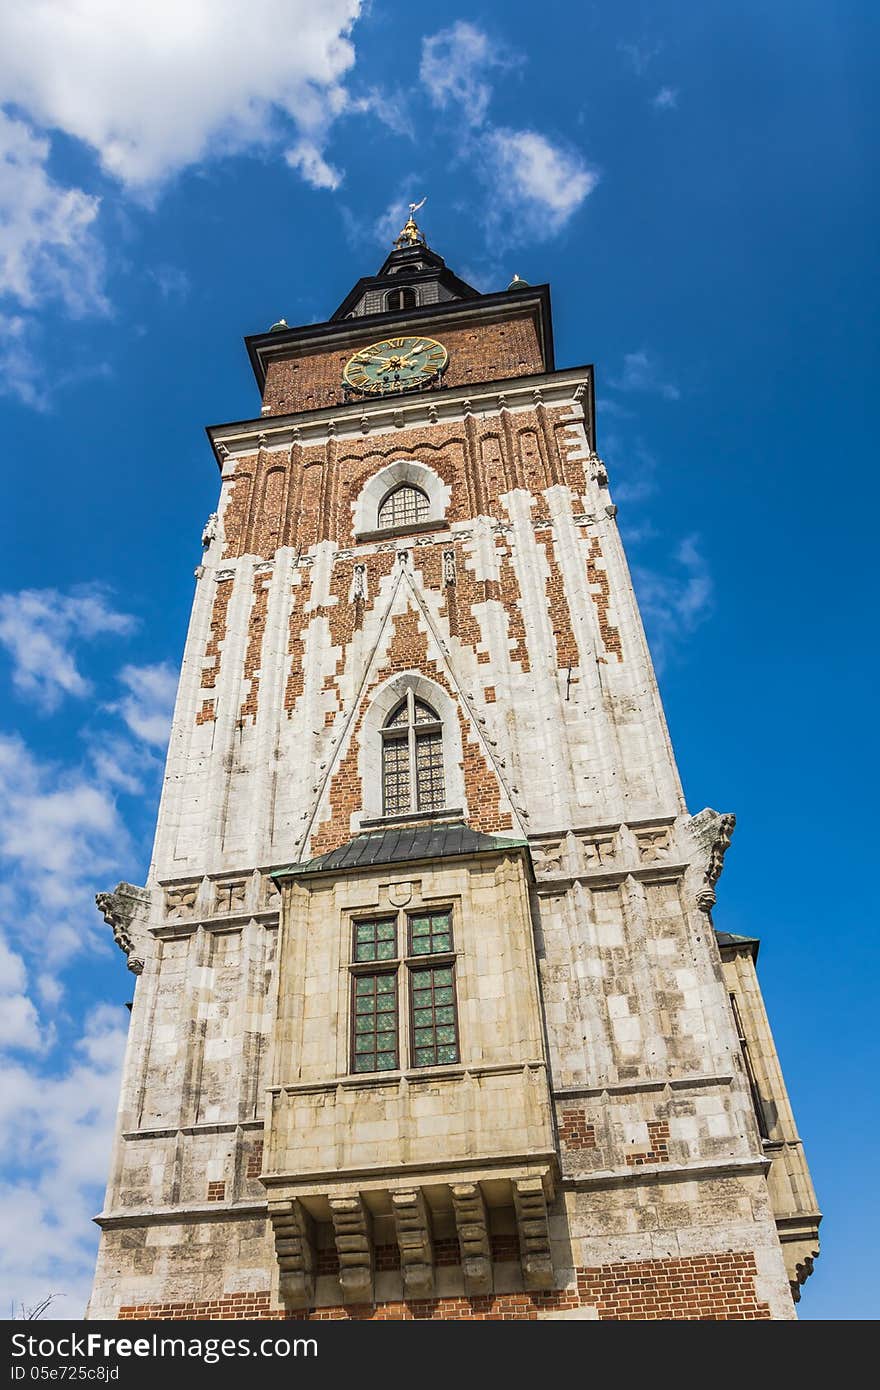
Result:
<point x="431" y="1017"/>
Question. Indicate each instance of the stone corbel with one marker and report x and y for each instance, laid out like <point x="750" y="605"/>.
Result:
<point x="295" y="1251"/>
<point x="712" y="833"/>
<point x="412" y="1222"/>
<point x="126" y="910"/>
<point x="353" y="1232"/>
<point x="533" y="1225"/>
<point x="473" y="1237"/>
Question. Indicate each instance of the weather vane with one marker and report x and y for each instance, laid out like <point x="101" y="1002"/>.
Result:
<point x="411" y="236"/>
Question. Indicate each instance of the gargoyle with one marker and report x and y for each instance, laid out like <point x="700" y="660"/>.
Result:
<point x="125" y="911"/>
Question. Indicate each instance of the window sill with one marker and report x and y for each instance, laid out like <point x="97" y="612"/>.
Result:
<point x="416" y="528"/>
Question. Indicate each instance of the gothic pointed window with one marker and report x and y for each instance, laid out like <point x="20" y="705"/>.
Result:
<point x="412" y="759"/>
<point x="405" y="506"/>
<point x="401" y="299"/>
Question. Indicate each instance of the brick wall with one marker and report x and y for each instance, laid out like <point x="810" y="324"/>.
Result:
<point x="709" y="1288"/>
<point x="492" y="352"/>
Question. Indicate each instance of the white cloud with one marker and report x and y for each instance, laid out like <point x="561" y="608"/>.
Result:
<point x="673" y="604"/>
<point x="48" y="245"/>
<point x="39" y="628"/>
<point x="307" y="158"/>
<point x="62" y="839"/>
<point x="20" y="373"/>
<point x="454" y="66"/>
<point x="641" y="373"/>
<point x="536" y="186"/>
<point x="666" y="99"/>
<point x="155" y="88"/>
<point x="149" y="703"/>
<point x="19" y="1022"/>
<point x="55" y="1134"/>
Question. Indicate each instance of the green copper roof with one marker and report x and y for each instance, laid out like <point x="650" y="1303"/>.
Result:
<point x="727" y="938"/>
<point x="401" y="845"/>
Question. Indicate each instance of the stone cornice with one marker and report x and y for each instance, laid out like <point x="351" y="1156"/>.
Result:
<point x="367" y="417"/>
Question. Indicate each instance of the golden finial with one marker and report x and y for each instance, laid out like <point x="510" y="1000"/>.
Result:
<point x="410" y="235"/>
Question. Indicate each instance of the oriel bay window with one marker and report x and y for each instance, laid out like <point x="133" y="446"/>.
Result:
<point x="426" y="1031"/>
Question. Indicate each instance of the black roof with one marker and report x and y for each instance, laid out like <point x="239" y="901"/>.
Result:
<point x="400" y="845"/>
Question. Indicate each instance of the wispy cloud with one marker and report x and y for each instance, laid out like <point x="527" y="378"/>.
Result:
<point x="48" y="244"/>
<point x="19" y="1021"/>
<point x="40" y="629"/>
<point x="306" y="157"/>
<point x="641" y="372"/>
<point x="535" y="184"/>
<point x="639" y="54"/>
<point x="455" y="68"/>
<point x="666" y="99"/>
<point x="56" y="1127"/>
<point x="674" y="601"/>
<point x="148" y="703"/>
<point x="173" y="282"/>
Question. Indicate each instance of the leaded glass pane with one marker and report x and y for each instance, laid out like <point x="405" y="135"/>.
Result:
<point x="405" y="506"/>
<point x="435" y="1032"/>
<point x="375" y="940"/>
<point x="430" y="934"/>
<point x="429" y="771"/>
<point x="395" y="776"/>
<point x="400" y="717"/>
<point x="375" y="1017"/>
<point x="424" y="713"/>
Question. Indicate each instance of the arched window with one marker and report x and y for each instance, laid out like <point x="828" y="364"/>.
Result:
<point x="412" y="759"/>
<point x="404" y="506"/>
<point x="401" y="299"/>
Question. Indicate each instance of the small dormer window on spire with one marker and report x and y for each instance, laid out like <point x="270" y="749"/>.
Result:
<point x="401" y="299"/>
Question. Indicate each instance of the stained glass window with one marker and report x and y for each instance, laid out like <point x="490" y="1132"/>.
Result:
<point x="412" y="759"/>
<point x="430" y="933"/>
<point x="374" y="1023"/>
<point x="405" y="506"/>
<point x="434" y="1026"/>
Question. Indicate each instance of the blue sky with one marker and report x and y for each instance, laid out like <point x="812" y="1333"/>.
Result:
<point x="694" y="182"/>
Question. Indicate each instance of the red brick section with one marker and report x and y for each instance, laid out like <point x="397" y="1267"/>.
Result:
<point x="489" y="695"/>
<point x="254" y="652"/>
<point x="408" y="650"/>
<point x="255" y="1160"/>
<point x="601" y="591"/>
<point x="491" y="352"/>
<point x="560" y="613"/>
<point x="315" y="485"/>
<point x="658" y="1137"/>
<point x="707" y="1288"/>
<point x="213" y="647"/>
<point x="216" y="1191"/>
<point x="574" y="1132"/>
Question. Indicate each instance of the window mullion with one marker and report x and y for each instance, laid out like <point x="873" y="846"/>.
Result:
<point x="411" y="737"/>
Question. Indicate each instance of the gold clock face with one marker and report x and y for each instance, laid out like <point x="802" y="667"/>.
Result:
<point x="395" y="364"/>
